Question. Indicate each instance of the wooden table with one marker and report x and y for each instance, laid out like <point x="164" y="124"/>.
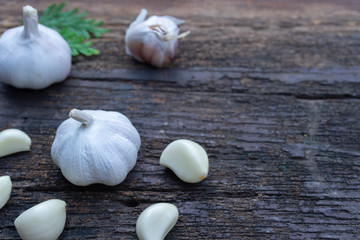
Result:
<point x="271" y="90"/>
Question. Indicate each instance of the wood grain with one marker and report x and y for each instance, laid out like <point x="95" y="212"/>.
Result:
<point x="271" y="90"/>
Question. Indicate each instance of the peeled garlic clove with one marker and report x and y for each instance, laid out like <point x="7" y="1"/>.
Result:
<point x="187" y="159"/>
<point x="44" y="221"/>
<point x="5" y="190"/>
<point x="13" y="141"/>
<point x="33" y="56"/>
<point x="95" y="146"/>
<point x="156" y="221"/>
<point x="153" y="40"/>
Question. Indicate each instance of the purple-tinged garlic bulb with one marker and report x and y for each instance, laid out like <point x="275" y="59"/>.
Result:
<point x="154" y="40"/>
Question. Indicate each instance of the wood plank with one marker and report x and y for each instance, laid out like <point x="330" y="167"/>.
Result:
<point x="271" y="90"/>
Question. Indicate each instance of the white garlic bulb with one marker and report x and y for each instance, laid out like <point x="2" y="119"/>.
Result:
<point x="95" y="146"/>
<point x="5" y="190"/>
<point x="154" y="40"/>
<point x="156" y="221"/>
<point x="44" y="221"/>
<point x="13" y="141"/>
<point x="187" y="159"/>
<point x="33" y="56"/>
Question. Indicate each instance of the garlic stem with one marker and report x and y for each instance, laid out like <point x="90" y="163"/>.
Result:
<point x="81" y="116"/>
<point x="141" y="17"/>
<point x="30" y="21"/>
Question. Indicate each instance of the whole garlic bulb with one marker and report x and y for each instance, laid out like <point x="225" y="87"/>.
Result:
<point x="33" y="56"/>
<point x="95" y="146"/>
<point x="154" y="40"/>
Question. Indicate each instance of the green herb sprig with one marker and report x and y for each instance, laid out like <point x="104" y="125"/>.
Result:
<point x="73" y="27"/>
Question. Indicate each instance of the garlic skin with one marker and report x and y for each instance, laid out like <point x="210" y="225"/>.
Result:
<point x="95" y="146"/>
<point x="187" y="159"/>
<point x="154" y="40"/>
<point x="45" y="221"/>
<point x="33" y="56"/>
<point x="5" y="190"/>
<point x="156" y="221"/>
<point x="13" y="141"/>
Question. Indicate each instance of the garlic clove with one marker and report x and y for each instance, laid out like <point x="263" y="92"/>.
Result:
<point x="33" y="56"/>
<point x="95" y="146"/>
<point x="150" y="48"/>
<point x="187" y="159"/>
<point x="5" y="190"/>
<point x="44" y="221"/>
<point x="153" y="40"/>
<point x="13" y="141"/>
<point x="158" y="58"/>
<point x="156" y="221"/>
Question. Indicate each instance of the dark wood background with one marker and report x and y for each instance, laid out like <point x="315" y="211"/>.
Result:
<point x="271" y="90"/>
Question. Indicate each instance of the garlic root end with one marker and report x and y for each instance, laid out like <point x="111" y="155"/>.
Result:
<point x="172" y="37"/>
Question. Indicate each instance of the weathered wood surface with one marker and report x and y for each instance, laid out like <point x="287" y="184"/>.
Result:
<point x="271" y="89"/>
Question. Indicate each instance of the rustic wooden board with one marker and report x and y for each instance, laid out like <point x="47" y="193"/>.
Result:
<point x="271" y="89"/>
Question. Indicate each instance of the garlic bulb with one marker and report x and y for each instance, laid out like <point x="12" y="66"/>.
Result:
<point x="33" y="56"/>
<point x="13" y="141"/>
<point x="44" y="221"/>
<point x="187" y="159"/>
<point x="156" y="221"/>
<point x="95" y="146"/>
<point x="5" y="190"/>
<point x="154" y="40"/>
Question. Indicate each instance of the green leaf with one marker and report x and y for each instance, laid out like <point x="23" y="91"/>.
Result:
<point x="77" y="43"/>
<point x="73" y="27"/>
